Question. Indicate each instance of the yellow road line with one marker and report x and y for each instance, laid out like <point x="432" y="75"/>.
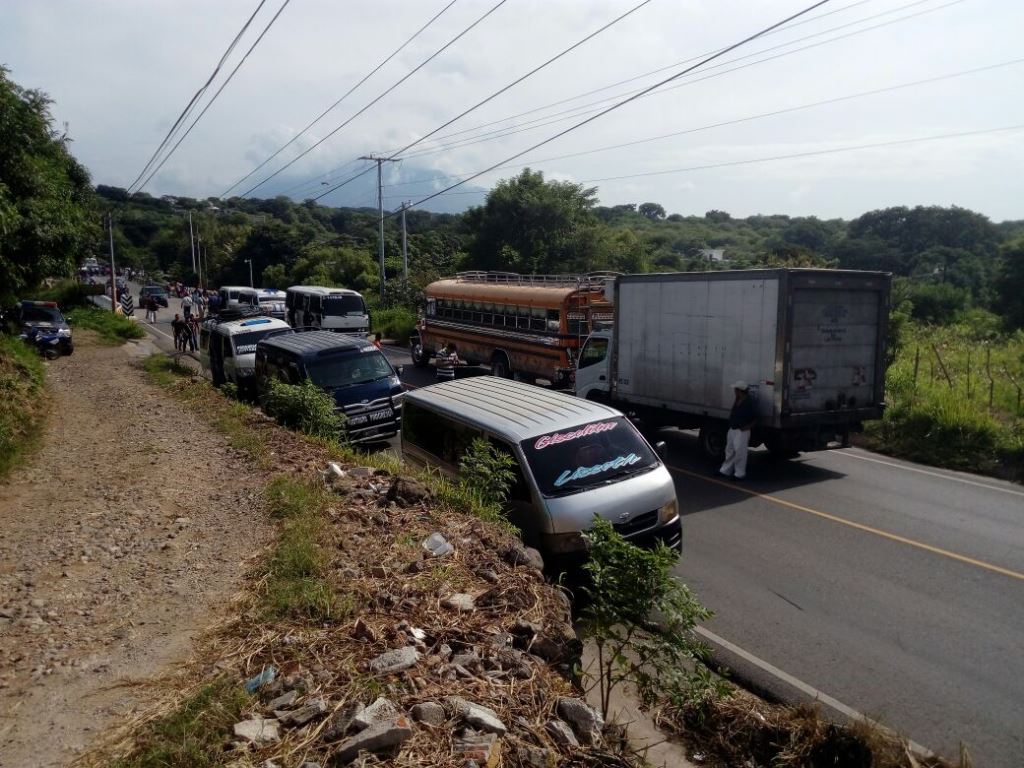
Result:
<point x="859" y="526"/>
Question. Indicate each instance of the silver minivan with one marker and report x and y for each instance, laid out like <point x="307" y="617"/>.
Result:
<point x="574" y="459"/>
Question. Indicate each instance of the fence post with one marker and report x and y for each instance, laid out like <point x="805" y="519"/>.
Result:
<point x="942" y="366"/>
<point x="988" y="372"/>
<point x="1015" y="384"/>
<point x="968" y="373"/>
<point x="917" y="362"/>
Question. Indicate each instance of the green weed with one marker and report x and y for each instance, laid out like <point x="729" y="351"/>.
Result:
<point x="113" y="329"/>
<point x="22" y="401"/>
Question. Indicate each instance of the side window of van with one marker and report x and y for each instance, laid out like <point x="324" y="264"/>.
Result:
<point x="441" y="437"/>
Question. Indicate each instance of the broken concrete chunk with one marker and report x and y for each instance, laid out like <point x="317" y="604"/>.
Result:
<point x="562" y="734"/>
<point x="460" y="601"/>
<point x="528" y="556"/>
<point x="303" y="714"/>
<point x="406" y="491"/>
<point x="258" y="730"/>
<point x="395" y="661"/>
<point x="585" y="721"/>
<point x="429" y="712"/>
<point x="376" y="738"/>
<point x="477" y="715"/>
<point x="342" y="721"/>
<point x="283" y="701"/>
<point x="481" y="748"/>
<point x="381" y="711"/>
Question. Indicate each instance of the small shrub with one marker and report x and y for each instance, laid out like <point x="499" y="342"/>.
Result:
<point x="230" y="390"/>
<point x="22" y="401"/>
<point x="397" y="323"/>
<point x="69" y="294"/>
<point x="487" y="471"/>
<point x="288" y="498"/>
<point x="629" y="588"/>
<point x="305" y="407"/>
<point x="113" y="329"/>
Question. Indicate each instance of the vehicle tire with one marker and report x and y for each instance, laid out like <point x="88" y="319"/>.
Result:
<point x="420" y="358"/>
<point x="500" y="366"/>
<point x="778" y="449"/>
<point x="712" y="440"/>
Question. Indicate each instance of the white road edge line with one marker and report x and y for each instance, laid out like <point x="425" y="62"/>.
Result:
<point x="800" y="685"/>
<point x="848" y="455"/>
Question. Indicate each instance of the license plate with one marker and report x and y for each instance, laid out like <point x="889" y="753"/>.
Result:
<point x="375" y="416"/>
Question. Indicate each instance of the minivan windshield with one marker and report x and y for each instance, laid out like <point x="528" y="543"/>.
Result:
<point x="589" y="455"/>
<point x="347" y="370"/>
<point x="344" y="304"/>
<point x="245" y="343"/>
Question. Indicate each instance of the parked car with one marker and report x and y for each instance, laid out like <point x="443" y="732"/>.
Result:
<point x="574" y="460"/>
<point x="42" y="324"/>
<point x="158" y="292"/>
<point x="364" y="385"/>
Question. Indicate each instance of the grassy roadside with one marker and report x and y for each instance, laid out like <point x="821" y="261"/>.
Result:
<point x="953" y="402"/>
<point x="113" y="329"/>
<point x="22" y="401"/>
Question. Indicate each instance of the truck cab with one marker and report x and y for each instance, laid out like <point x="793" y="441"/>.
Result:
<point x="592" y="367"/>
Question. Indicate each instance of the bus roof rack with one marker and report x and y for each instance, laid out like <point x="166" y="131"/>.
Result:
<point x="227" y="315"/>
<point x="590" y="280"/>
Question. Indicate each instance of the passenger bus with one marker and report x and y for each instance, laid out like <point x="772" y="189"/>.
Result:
<point x="524" y="326"/>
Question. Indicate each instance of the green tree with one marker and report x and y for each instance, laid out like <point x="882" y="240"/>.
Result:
<point x="532" y="225"/>
<point x="1010" y="286"/>
<point x="46" y="220"/>
<point x="651" y="211"/>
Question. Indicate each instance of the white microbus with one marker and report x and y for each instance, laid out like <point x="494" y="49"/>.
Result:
<point x="332" y="309"/>
<point x="228" y="349"/>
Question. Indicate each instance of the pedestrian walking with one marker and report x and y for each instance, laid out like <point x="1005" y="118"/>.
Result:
<point x="181" y="333"/>
<point x="376" y="340"/>
<point x="151" y="307"/>
<point x="186" y="306"/>
<point x="742" y="418"/>
<point x="447" y="359"/>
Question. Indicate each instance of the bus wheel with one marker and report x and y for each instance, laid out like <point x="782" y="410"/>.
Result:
<point x="419" y="357"/>
<point x="500" y="366"/>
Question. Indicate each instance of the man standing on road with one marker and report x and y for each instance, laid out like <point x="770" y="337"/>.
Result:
<point x="447" y="359"/>
<point x="151" y="307"/>
<point x="181" y="333"/>
<point x="742" y="418"/>
<point x="186" y="306"/>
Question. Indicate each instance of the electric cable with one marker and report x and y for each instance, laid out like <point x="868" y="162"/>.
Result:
<point x="401" y="80"/>
<point x="347" y="93"/>
<point x="216" y="94"/>
<point x="198" y="94"/>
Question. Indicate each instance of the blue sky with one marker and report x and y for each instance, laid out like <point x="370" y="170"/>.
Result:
<point x="121" y="70"/>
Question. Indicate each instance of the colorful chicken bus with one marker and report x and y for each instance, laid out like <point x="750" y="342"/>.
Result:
<point x="525" y="326"/>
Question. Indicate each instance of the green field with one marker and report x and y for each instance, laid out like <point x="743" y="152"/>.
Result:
<point x="955" y="398"/>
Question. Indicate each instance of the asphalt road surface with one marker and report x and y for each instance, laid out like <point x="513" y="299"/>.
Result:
<point x="876" y="586"/>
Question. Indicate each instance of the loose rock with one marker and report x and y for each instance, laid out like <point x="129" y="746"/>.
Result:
<point x="395" y="661"/>
<point x="528" y="556"/>
<point x="304" y="714"/>
<point x="408" y="491"/>
<point x="258" y="730"/>
<point x="376" y="738"/>
<point x="562" y="734"/>
<point x="429" y="712"/>
<point x="478" y="716"/>
<point x="479" y="747"/>
<point x="585" y="721"/>
<point x="283" y="701"/>
<point x="460" y="601"/>
<point x="381" y="711"/>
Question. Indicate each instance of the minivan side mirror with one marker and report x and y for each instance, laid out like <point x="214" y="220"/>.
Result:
<point x="661" y="448"/>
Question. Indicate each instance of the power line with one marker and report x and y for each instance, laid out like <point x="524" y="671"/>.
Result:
<point x="622" y="103"/>
<point x="580" y="110"/>
<point x="585" y="109"/>
<point x="401" y="80"/>
<point x="392" y="156"/>
<point x="748" y="118"/>
<point x="218" y="92"/>
<point x="791" y="156"/>
<point x="347" y="93"/>
<point x="198" y="94"/>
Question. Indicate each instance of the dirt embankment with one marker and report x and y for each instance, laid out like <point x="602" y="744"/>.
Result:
<point x="118" y="542"/>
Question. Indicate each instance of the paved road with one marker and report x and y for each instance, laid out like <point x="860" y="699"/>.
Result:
<point x="884" y="587"/>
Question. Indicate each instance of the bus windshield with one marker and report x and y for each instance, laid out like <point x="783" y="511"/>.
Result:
<point x="586" y="456"/>
<point x="344" y="304"/>
<point x="344" y="371"/>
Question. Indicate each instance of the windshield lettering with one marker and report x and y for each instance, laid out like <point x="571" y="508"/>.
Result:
<point x="581" y="472"/>
<point x="563" y="437"/>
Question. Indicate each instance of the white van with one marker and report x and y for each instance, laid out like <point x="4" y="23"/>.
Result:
<point x="265" y="301"/>
<point x="332" y="309"/>
<point x="230" y="295"/>
<point x="227" y="349"/>
<point x="574" y="459"/>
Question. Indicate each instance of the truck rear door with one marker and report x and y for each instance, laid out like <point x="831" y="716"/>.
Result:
<point x="836" y="339"/>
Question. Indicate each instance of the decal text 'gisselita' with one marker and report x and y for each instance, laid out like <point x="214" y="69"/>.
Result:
<point x="563" y="437"/>
<point x="581" y="472"/>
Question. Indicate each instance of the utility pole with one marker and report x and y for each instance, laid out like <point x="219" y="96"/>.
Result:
<point x="405" y="246"/>
<point x="380" y="210"/>
<point x="192" y="241"/>
<point x="113" y="268"/>
<point x="251" y="283"/>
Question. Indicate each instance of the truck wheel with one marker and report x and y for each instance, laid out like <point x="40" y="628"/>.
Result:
<point x="500" y="366"/>
<point x="420" y="358"/>
<point x="779" y="450"/>
<point x="712" y="440"/>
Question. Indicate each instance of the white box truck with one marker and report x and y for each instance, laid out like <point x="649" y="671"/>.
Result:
<point x="809" y="342"/>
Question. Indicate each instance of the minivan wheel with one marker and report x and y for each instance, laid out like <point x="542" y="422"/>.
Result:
<point x="712" y="440"/>
<point x="500" y="366"/>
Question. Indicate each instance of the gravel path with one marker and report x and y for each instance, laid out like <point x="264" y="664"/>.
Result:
<point x="118" y="542"/>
